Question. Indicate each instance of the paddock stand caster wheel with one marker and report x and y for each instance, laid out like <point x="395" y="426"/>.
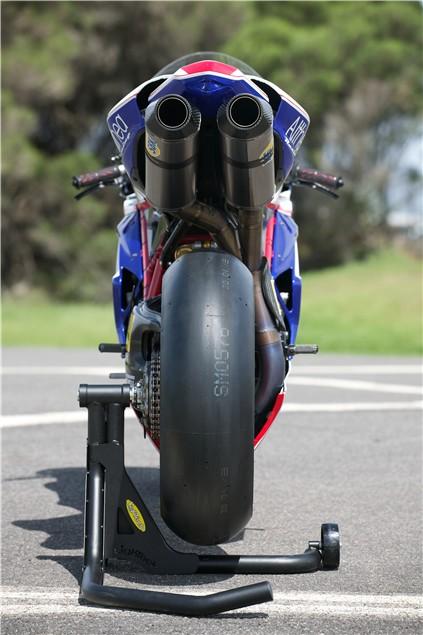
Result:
<point x="330" y="546"/>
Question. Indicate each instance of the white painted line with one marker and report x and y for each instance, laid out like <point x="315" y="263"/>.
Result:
<point x="359" y="369"/>
<point x="44" y="593"/>
<point x="292" y="603"/>
<point x="48" y="593"/>
<point x="356" y="406"/>
<point x="354" y="384"/>
<point x="80" y="416"/>
<point x="47" y="418"/>
<point x="310" y="609"/>
<point x="61" y="370"/>
<point x="42" y="418"/>
<point x="350" y="598"/>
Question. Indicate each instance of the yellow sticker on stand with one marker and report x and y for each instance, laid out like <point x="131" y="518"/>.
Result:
<point x="135" y="515"/>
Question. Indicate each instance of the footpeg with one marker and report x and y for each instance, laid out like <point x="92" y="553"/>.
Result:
<point x="302" y="349"/>
<point x="112" y="348"/>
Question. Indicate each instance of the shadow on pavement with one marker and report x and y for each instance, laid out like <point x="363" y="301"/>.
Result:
<point x="66" y="532"/>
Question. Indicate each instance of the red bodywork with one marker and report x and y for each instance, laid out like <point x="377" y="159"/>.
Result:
<point x="208" y="66"/>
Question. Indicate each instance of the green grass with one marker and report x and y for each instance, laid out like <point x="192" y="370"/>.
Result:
<point x="41" y="323"/>
<point x="374" y="306"/>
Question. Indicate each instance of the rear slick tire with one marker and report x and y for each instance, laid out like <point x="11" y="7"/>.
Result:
<point x="207" y="397"/>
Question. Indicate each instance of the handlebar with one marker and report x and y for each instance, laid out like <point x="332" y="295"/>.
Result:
<point x="308" y="175"/>
<point x="112" y="174"/>
<point x="108" y="174"/>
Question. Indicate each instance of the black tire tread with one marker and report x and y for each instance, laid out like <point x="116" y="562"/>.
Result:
<point x="206" y="425"/>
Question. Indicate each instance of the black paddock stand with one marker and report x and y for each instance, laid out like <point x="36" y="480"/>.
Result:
<point x="119" y="525"/>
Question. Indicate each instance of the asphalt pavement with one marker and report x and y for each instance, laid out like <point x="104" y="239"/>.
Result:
<point x="346" y="448"/>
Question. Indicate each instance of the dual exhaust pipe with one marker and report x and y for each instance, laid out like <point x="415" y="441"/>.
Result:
<point x="172" y="128"/>
<point x="245" y="126"/>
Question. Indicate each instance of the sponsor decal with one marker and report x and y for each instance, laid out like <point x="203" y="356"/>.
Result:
<point x="135" y="515"/>
<point x="134" y="553"/>
<point x="267" y="153"/>
<point x="120" y="131"/>
<point x="119" y="127"/>
<point x="296" y="133"/>
<point x="152" y="146"/>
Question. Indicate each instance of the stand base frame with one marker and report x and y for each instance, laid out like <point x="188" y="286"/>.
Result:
<point x="118" y="524"/>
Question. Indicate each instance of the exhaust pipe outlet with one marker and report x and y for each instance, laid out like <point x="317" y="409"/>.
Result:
<point x="246" y="131"/>
<point x="171" y="143"/>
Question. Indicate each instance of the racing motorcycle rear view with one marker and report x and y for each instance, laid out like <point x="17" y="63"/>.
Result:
<point x="206" y="295"/>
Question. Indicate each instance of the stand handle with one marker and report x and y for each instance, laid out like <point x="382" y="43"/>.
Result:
<point x="176" y="604"/>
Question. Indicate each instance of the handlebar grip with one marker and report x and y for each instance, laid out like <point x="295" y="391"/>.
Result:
<point x="93" y="178"/>
<point x="314" y="176"/>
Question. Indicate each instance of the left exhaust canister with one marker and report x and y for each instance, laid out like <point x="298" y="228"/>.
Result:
<point x="171" y="144"/>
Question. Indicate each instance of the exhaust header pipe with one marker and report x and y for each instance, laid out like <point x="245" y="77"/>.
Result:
<point x="171" y="142"/>
<point x="246" y="132"/>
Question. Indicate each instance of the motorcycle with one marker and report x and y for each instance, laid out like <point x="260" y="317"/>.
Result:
<point x="207" y="289"/>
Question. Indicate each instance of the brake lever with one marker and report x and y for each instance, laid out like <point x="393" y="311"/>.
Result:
<point x="315" y="186"/>
<point x="88" y="190"/>
<point x="96" y="186"/>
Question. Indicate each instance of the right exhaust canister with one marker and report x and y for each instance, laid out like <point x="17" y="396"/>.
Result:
<point x="246" y="130"/>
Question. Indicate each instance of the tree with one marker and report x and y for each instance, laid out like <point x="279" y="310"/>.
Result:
<point x="65" y="64"/>
<point x="355" y="67"/>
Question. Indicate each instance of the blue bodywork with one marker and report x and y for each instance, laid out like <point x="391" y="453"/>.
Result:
<point x="285" y="262"/>
<point x="207" y="91"/>
<point x="128" y="264"/>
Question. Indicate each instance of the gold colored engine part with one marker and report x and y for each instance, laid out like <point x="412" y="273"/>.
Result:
<point x="181" y="250"/>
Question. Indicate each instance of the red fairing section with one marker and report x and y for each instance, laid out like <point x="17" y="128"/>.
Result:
<point x="278" y="208"/>
<point x="268" y="246"/>
<point x="156" y="280"/>
<point x="270" y="419"/>
<point x="209" y="66"/>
